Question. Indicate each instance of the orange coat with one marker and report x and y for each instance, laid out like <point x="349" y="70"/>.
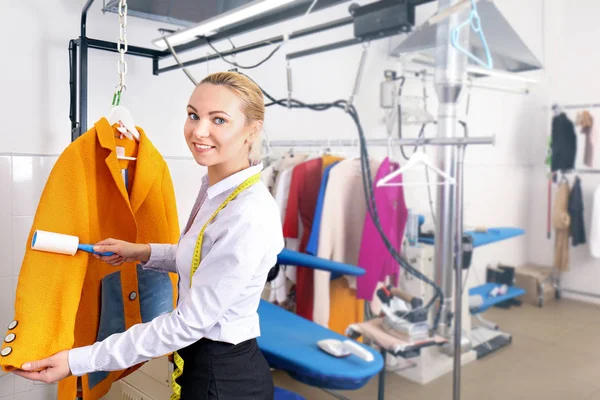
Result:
<point x="59" y="297"/>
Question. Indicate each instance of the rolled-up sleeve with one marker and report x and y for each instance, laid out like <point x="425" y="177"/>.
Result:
<point x="224" y="272"/>
<point x="162" y="258"/>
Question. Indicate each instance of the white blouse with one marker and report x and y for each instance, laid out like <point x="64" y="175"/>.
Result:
<point x="239" y="248"/>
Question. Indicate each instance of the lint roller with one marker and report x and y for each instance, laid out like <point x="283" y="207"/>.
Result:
<point x="60" y="243"/>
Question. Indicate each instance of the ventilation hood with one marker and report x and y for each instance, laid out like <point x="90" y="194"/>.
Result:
<point x="508" y="50"/>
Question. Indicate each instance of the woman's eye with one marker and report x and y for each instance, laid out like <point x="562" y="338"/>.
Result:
<point x="219" y="121"/>
<point x="193" y="116"/>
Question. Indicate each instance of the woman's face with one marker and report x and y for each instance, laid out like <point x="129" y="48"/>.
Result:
<point x="216" y="130"/>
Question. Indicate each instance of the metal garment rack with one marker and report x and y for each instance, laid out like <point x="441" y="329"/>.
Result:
<point x="556" y="275"/>
<point x="450" y="73"/>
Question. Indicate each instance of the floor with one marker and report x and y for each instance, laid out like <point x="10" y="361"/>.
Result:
<point x="555" y="354"/>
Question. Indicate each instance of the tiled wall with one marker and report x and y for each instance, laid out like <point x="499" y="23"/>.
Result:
<point x="22" y="179"/>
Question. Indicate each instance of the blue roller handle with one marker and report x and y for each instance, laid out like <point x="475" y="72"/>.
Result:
<point x="90" y="249"/>
<point x="290" y="257"/>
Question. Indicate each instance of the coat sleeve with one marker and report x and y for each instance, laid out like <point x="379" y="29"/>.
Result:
<point x="45" y="307"/>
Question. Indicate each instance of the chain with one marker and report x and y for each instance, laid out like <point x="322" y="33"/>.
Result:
<point x="122" y="48"/>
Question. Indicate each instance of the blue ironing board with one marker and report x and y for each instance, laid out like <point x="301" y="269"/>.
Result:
<point x="489" y="301"/>
<point x="492" y="235"/>
<point x="289" y="343"/>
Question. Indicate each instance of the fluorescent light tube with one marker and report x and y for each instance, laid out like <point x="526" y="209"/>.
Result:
<point x="210" y="27"/>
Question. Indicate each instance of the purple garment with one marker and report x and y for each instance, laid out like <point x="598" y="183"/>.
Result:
<point x="374" y="256"/>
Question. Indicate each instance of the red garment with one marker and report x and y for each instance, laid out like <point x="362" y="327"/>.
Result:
<point x="304" y="191"/>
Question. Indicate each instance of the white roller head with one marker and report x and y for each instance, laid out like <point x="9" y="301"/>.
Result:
<point x="54" y="242"/>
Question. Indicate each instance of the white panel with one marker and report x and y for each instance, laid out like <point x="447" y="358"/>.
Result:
<point x="186" y="176"/>
<point x="6" y="248"/>
<point x="29" y="178"/>
<point x="21" y="228"/>
<point x="7" y="386"/>
<point x="5" y="187"/>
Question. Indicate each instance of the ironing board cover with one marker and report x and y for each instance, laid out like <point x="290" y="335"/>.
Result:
<point x="488" y="301"/>
<point x="289" y="343"/>
<point x="492" y="235"/>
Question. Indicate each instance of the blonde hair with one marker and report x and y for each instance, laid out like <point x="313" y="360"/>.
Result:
<point x="251" y="97"/>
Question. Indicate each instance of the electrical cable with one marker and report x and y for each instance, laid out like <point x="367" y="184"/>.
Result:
<point x="367" y="188"/>
<point x="237" y="65"/>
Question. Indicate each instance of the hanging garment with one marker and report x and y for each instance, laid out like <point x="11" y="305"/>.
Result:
<point x="576" y="214"/>
<point x="271" y="173"/>
<point x="313" y="240"/>
<point x="564" y="143"/>
<point x="302" y="201"/>
<point x="586" y="121"/>
<point x="374" y="256"/>
<point x="279" y="293"/>
<point x="595" y="225"/>
<point x="64" y="302"/>
<point x="562" y="223"/>
<point x="342" y="222"/>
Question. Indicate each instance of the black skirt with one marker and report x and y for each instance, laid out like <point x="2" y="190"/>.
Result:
<point x="216" y="370"/>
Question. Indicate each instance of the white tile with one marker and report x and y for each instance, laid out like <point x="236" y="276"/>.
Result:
<point x="7" y="386"/>
<point x="6" y="247"/>
<point x="5" y="187"/>
<point x="43" y="392"/>
<point x="21" y="228"/>
<point x="7" y="301"/>
<point x="23" y="385"/>
<point x="29" y="179"/>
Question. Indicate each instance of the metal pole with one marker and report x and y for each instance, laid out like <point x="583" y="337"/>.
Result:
<point x="458" y="271"/>
<point x="83" y="72"/>
<point x="450" y="73"/>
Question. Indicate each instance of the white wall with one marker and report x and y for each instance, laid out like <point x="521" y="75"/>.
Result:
<point x="572" y="64"/>
<point x="34" y="110"/>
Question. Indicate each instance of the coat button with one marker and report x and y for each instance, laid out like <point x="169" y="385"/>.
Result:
<point x="13" y="325"/>
<point x="10" y="337"/>
<point x="132" y="296"/>
<point x="6" y="351"/>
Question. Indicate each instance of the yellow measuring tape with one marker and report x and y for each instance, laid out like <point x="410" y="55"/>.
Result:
<point x="195" y="264"/>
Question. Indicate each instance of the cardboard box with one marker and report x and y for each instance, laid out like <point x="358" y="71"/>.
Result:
<point x="536" y="281"/>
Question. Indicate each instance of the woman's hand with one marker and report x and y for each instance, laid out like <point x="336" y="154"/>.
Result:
<point x="124" y="251"/>
<point x="49" y="370"/>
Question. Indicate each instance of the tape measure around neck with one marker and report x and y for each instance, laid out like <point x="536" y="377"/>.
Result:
<point x="196" y="258"/>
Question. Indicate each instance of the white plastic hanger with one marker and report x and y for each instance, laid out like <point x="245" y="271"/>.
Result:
<point x="121" y="115"/>
<point x="419" y="157"/>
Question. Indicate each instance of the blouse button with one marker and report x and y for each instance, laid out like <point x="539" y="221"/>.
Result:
<point x="132" y="296"/>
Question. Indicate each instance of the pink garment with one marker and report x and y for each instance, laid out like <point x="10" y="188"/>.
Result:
<point x="374" y="256"/>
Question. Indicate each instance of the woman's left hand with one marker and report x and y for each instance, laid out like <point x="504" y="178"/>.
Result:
<point x="48" y="370"/>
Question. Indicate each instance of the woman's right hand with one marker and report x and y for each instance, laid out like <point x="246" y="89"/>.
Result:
<point x="124" y="251"/>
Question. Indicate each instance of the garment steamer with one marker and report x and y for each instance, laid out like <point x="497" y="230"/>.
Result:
<point x="405" y="315"/>
<point x="62" y="244"/>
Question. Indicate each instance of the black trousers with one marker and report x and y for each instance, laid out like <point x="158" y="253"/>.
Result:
<point x="222" y="371"/>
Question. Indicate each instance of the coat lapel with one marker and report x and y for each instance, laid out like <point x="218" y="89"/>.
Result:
<point x="146" y="171"/>
<point x="106" y="139"/>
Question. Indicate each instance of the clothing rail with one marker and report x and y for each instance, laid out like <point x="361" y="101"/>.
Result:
<point x="580" y="171"/>
<point x="435" y="141"/>
<point x="579" y="106"/>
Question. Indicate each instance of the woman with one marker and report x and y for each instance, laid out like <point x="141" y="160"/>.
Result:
<point x="231" y="241"/>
